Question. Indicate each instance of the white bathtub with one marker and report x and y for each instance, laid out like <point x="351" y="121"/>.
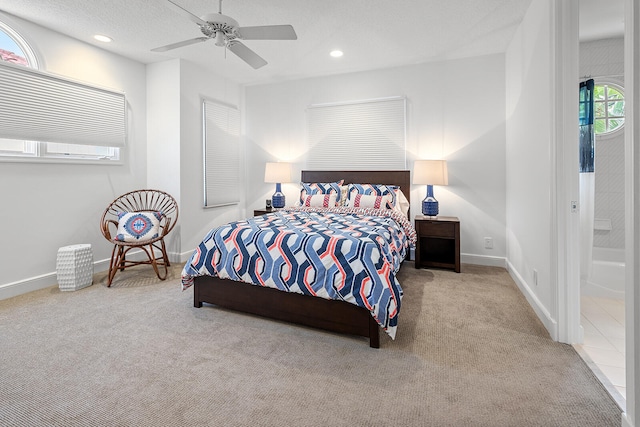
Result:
<point x="607" y="277"/>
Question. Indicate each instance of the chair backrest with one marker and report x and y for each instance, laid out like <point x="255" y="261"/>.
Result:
<point x="144" y="201"/>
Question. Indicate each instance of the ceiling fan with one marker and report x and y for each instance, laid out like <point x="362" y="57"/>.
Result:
<point x="226" y="31"/>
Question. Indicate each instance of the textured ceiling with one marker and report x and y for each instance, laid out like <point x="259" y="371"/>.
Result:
<point x="372" y="33"/>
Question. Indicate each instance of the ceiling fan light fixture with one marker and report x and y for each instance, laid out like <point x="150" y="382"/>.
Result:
<point x="336" y="53"/>
<point x="220" y="38"/>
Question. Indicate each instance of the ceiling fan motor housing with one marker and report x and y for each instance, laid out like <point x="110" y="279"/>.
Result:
<point x="216" y="23"/>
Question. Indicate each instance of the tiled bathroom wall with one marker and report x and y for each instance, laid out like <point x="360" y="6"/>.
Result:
<point x="603" y="60"/>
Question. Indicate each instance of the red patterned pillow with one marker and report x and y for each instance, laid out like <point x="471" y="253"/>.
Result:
<point x="313" y="188"/>
<point x="373" y="190"/>
<point x="320" y="200"/>
<point x="369" y="201"/>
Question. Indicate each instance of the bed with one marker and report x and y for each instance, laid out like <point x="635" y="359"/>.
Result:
<point x="302" y="308"/>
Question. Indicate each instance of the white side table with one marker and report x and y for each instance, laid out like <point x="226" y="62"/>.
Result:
<point x="74" y="267"/>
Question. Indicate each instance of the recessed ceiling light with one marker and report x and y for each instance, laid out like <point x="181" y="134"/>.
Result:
<point x="102" y="38"/>
<point x="336" y="53"/>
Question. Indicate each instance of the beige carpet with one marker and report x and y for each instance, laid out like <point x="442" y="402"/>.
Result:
<point x="469" y="352"/>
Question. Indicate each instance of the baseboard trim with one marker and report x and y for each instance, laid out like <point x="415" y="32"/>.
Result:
<point x="543" y="314"/>
<point x="30" y="284"/>
<point x="626" y="422"/>
<point x="490" y="261"/>
<point x="183" y="257"/>
<point x="13" y="289"/>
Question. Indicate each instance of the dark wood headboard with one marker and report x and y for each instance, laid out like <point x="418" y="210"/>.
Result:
<point x="400" y="178"/>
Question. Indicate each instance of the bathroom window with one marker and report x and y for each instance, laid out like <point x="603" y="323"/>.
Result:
<point x="608" y="108"/>
<point x="15" y="50"/>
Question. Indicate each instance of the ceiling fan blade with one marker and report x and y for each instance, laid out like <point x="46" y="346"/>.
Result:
<point x="180" y="44"/>
<point x="186" y="13"/>
<point x="268" y="32"/>
<point x="246" y="54"/>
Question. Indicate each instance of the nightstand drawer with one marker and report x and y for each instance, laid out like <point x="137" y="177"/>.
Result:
<point x="437" y="229"/>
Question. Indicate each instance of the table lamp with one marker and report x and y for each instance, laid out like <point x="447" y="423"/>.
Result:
<point x="277" y="173"/>
<point x="430" y="172"/>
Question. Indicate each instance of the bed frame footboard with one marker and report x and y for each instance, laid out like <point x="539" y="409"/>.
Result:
<point x="335" y="316"/>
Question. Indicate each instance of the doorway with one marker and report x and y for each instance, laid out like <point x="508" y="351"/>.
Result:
<point x="602" y="284"/>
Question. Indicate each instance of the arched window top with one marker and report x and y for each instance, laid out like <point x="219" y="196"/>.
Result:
<point x="14" y="48"/>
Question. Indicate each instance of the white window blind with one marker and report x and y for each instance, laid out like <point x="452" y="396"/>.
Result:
<point x="39" y="106"/>
<point x="360" y="135"/>
<point x="221" y="154"/>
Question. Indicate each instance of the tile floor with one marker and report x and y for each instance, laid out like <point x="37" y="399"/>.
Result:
<point x="603" y="347"/>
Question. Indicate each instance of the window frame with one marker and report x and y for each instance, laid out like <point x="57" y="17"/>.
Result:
<point x="617" y="85"/>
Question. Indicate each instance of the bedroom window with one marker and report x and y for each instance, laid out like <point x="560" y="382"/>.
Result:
<point x="221" y="140"/>
<point x="608" y="108"/>
<point x="86" y="110"/>
<point x="358" y="135"/>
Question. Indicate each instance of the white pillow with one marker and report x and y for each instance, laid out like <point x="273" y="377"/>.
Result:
<point x="344" y="193"/>
<point x="402" y="204"/>
<point x="320" y="200"/>
<point x="369" y="201"/>
<point x="137" y="227"/>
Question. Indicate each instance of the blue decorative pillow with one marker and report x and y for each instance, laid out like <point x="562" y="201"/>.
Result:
<point x="373" y="190"/>
<point x="137" y="227"/>
<point x="313" y="188"/>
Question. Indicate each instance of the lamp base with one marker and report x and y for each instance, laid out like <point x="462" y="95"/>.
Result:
<point x="430" y="207"/>
<point x="277" y="200"/>
<point x="430" y="204"/>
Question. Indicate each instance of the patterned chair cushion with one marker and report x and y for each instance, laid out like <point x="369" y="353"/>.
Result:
<point x="137" y="227"/>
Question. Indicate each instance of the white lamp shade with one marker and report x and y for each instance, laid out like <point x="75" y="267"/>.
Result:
<point x="277" y="172"/>
<point x="430" y="172"/>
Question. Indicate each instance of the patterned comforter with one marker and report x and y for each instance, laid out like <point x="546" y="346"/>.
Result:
<point x="348" y="254"/>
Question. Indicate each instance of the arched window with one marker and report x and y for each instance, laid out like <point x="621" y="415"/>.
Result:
<point x="14" y="49"/>
<point x="608" y="108"/>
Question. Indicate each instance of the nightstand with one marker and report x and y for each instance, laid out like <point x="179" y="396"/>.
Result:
<point x="438" y="243"/>
<point x="258" y="212"/>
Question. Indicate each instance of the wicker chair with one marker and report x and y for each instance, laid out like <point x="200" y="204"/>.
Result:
<point x="159" y="204"/>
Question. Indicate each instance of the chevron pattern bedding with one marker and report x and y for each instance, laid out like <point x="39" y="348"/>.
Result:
<point x="348" y="254"/>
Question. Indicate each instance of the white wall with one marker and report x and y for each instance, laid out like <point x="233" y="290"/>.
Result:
<point x="196" y="221"/>
<point x="163" y="127"/>
<point x="47" y="206"/>
<point x="163" y="132"/>
<point x="456" y="111"/>
<point x="175" y="90"/>
<point x="529" y="169"/>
